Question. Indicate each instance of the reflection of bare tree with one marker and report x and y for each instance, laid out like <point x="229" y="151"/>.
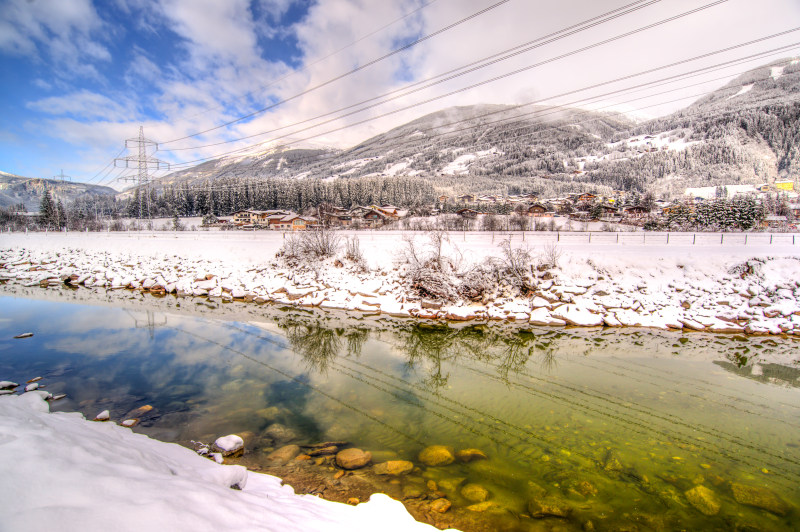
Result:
<point x="355" y="340"/>
<point x="318" y="345"/>
<point x="432" y="344"/>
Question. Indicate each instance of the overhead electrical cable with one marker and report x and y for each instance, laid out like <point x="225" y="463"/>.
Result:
<point x="351" y="72"/>
<point x="567" y="93"/>
<point x="321" y="59"/>
<point x="453" y="73"/>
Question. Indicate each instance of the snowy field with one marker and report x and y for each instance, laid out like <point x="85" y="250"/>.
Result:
<point x="689" y="281"/>
<point x="62" y="472"/>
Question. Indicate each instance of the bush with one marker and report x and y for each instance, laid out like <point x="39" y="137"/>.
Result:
<point x="310" y="245"/>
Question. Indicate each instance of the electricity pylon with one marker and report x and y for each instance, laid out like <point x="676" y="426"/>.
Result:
<point x="144" y="163"/>
<point x="61" y="176"/>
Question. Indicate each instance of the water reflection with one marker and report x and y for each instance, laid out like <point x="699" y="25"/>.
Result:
<point x="619" y="425"/>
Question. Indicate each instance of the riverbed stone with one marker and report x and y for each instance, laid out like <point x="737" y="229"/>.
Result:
<point x="468" y="455"/>
<point x="353" y="458"/>
<point x="551" y="506"/>
<point x="279" y="433"/>
<point x="474" y="492"/>
<point x="441" y="505"/>
<point x="437" y="455"/>
<point x="394" y="467"/>
<point x="284" y="454"/>
<point x="703" y="499"/>
<point x="760" y="497"/>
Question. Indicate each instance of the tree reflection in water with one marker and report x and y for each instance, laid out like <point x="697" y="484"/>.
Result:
<point x="428" y="347"/>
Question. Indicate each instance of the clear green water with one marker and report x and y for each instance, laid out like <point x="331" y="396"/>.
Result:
<point x="615" y="426"/>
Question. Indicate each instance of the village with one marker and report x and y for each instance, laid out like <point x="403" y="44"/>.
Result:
<point x="774" y="207"/>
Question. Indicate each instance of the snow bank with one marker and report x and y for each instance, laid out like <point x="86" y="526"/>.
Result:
<point x="618" y="279"/>
<point x="62" y="472"/>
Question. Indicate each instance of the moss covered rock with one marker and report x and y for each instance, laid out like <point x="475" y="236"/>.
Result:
<point x="703" y="499"/>
<point x="437" y="455"/>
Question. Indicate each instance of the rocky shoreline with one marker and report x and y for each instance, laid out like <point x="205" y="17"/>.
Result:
<point x="755" y="296"/>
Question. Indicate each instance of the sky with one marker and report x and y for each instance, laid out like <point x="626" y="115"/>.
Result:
<point x="79" y="77"/>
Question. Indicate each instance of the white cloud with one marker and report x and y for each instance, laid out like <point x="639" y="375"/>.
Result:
<point x="83" y="104"/>
<point x="62" y="31"/>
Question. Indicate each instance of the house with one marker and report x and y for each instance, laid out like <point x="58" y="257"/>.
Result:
<point x="470" y="214"/>
<point x="466" y="198"/>
<point x="373" y="217"/>
<point x="443" y="198"/>
<point x="586" y="198"/>
<point x="245" y="217"/>
<point x="294" y="222"/>
<point x="537" y="209"/>
<point x="773" y="221"/>
<point x="636" y="211"/>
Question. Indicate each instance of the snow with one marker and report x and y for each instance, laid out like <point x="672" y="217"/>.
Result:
<point x="461" y="164"/>
<point x="711" y="192"/>
<point x="776" y="71"/>
<point x="62" y="472"/>
<point x="619" y="279"/>
<point x="744" y="90"/>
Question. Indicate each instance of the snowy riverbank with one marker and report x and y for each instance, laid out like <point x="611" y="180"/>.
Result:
<point x="63" y="472"/>
<point x="716" y="288"/>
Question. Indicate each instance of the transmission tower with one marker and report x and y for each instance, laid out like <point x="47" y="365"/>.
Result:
<point x="62" y="177"/>
<point x="144" y="163"/>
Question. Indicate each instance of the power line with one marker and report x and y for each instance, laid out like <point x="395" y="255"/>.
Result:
<point x="144" y="163"/>
<point x="321" y="59"/>
<point x="351" y="72"/>
<point x="705" y="114"/>
<point x="453" y="73"/>
<point x="567" y="93"/>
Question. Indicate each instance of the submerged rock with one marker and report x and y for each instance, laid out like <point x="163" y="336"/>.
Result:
<point x="468" y="455"/>
<point x="394" y="467"/>
<point x="441" y="505"/>
<point x="284" y="454"/>
<point x="759" y="497"/>
<point x="703" y="499"/>
<point x="437" y="455"/>
<point x="280" y="433"/>
<point x="548" y="507"/>
<point x="352" y="458"/>
<point x="475" y="493"/>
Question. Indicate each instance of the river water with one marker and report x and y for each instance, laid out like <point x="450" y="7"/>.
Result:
<point x="616" y="429"/>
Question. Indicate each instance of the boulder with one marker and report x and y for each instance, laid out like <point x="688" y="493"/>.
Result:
<point x="229" y="446"/>
<point x="475" y="493"/>
<point x="280" y="433"/>
<point x="394" y="467"/>
<point x="352" y="458"/>
<point x="441" y="505"/>
<point x="548" y="507"/>
<point x="284" y="454"/>
<point x="763" y="498"/>
<point x="437" y="455"/>
<point x="703" y="499"/>
<point x="468" y="455"/>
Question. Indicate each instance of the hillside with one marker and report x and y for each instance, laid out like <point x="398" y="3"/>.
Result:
<point x="746" y="132"/>
<point x="15" y="190"/>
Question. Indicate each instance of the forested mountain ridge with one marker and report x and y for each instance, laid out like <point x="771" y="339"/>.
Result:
<point x="16" y="191"/>
<point x="746" y="132"/>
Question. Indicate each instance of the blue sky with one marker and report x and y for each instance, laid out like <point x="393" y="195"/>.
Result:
<point x="81" y="76"/>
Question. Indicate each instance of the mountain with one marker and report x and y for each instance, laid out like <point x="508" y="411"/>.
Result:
<point x="746" y="132"/>
<point x="15" y="190"/>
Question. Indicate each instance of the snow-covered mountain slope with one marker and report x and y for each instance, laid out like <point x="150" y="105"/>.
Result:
<point x="748" y="131"/>
<point x="16" y="190"/>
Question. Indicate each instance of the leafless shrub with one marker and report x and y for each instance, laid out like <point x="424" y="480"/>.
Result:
<point x="310" y="245"/>
<point x="516" y="265"/>
<point x="519" y="222"/>
<point x="550" y="256"/>
<point x="476" y="282"/>
<point x="353" y="252"/>
<point x="429" y="269"/>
